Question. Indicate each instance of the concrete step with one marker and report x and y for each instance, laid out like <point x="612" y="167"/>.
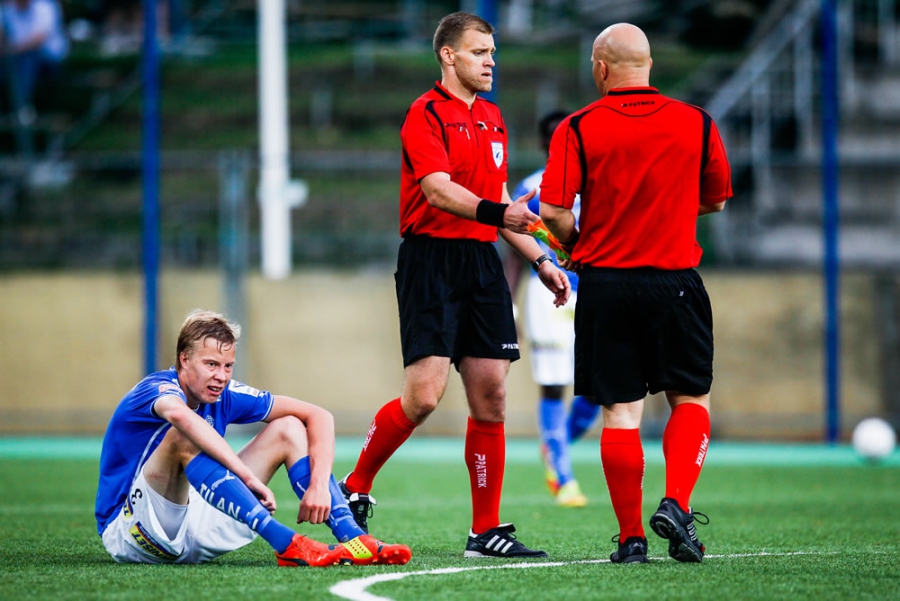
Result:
<point x="612" y="11"/>
<point x="864" y="136"/>
<point x="873" y="91"/>
<point x="795" y="244"/>
<point x="869" y="191"/>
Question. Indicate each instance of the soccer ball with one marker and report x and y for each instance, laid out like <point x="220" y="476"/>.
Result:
<point x="874" y="439"/>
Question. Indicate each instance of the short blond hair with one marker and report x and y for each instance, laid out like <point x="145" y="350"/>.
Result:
<point x="200" y="325"/>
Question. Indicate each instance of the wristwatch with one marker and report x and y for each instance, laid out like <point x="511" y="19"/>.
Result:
<point x="536" y="264"/>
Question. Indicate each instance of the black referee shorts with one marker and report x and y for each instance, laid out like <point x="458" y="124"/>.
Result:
<point x="453" y="301"/>
<point x="640" y="330"/>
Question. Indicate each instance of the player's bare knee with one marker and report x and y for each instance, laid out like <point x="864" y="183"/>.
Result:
<point x="418" y="408"/>
<point x="176" y="447"/>
<point x="489" y="408"/>
<point x="287" y="430"/>
<point x="494" y="398"/>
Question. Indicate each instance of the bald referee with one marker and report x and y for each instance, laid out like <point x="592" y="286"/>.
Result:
<point x="646" y="166"/>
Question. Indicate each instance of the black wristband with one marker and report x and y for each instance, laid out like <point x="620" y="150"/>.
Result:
<point x="536" y="264"/>
<point x="490" y="213"/>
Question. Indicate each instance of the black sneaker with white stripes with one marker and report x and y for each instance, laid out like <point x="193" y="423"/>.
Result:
<point x="360" y="504"/>
<point x="498" y="542"/>
<point x="676" y="525"/>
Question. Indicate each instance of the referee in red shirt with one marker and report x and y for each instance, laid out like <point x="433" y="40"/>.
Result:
<point x="455" y="305"/>
<point x="646" y="167"/>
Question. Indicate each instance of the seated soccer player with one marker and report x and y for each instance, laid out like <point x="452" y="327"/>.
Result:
<point x="172" y="490"/>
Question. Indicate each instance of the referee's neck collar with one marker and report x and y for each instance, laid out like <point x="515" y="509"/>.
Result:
<point x="636" y="90"/>
<point x="448" y="95"/>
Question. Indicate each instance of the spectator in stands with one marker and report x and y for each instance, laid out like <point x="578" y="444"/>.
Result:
<point x="123" y="26"/>
<point x="33" y="40"/>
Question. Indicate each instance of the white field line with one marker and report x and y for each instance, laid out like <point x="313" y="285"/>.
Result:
<point x="355" y="589"/>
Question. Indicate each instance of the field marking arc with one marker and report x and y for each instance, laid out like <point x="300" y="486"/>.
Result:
<point x="355" y="590"/>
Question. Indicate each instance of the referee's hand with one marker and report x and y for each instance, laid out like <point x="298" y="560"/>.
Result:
<point x="556" y="281"/>
<point x="570" y="265"/>
<point x="518" y="217"/>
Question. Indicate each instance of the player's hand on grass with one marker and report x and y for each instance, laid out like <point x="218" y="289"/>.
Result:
<point x="518" y="216"/>
<point x="315" y="505"/>
<point x="556" y="282"/>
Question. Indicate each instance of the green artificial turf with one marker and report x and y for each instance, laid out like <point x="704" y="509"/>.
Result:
<point x="786" y="522"/>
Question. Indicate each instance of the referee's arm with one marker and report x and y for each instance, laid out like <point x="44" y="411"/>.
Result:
<point x="706" y="209"/>
<point x="560" y="221"/>
<point x="443" y="193"/>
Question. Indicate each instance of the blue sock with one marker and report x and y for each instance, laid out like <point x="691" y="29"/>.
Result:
<point x="581" y="417"/>
<point x="340" y="520"/>
<point x="227" y="493"/>
<point x="552" y="426"/>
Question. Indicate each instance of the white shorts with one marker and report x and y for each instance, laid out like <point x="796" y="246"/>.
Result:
<point x="136" y="534"/>
<point x="551" y="334"/>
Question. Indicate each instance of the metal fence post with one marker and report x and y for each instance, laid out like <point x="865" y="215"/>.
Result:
<point x="234" y="175"/>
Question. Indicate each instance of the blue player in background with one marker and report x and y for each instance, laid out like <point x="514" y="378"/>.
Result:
<point x="551" y="335"/>
<point x="172" y="490"/>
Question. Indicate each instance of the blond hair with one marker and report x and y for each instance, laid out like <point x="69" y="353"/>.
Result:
<point x="200" y="325"/>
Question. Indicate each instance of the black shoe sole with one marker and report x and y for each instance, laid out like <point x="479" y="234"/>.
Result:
<point x="680" y="547"/>
<point x="469" y="553"/>
<point x="629" y="559"/>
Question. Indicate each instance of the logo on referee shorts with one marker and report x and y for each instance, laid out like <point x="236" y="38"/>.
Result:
<point x="497" y="148"/>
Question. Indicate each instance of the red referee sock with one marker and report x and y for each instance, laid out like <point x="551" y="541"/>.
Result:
<point x="389" y="430"/>
<point x="486" y="460"/>
<point x="622" y="456"/>
<point x="685" y="442"/>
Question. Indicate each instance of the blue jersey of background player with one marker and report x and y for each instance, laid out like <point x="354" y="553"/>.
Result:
<point x="533" y="182"/>
<point x="551" y="336"/>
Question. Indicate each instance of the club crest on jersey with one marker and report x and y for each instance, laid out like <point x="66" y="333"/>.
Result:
<point x="497" y="148"/>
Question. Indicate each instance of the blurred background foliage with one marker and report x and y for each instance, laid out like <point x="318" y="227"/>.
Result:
<point x="72" y="196"/>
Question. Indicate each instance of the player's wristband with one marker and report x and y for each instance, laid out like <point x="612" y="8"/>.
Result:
<point x="490" y="213"/>
<point x="536" y="264"/>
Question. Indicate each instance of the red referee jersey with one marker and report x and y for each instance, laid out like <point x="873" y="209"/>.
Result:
<point x="441" y="134"/>
<point x="643" y="163"/>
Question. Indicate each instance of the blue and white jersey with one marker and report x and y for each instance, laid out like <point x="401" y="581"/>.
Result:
<point x="39" y="18"/>
<point x="530" y="183"/>
<point x="135" y="431"/>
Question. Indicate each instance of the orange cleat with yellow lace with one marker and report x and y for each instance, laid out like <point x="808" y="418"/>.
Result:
<point x="366" y="549"/>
